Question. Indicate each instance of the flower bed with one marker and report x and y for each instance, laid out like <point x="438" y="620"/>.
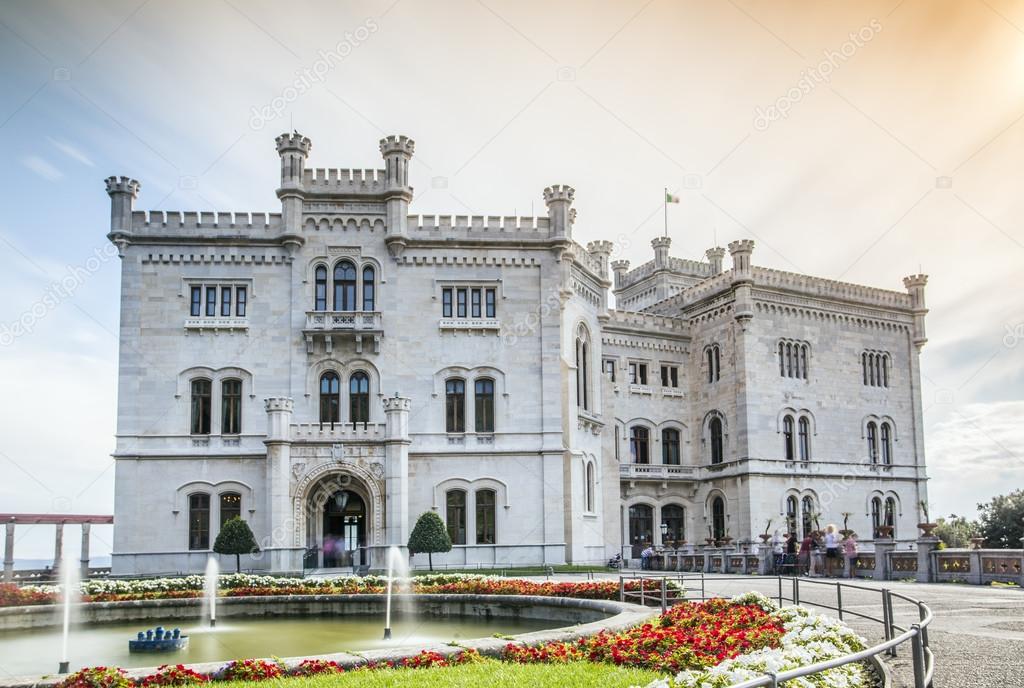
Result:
<point x="246" y="585"/>
<point x="712" y="644"/>
<point x="719" y="643"/>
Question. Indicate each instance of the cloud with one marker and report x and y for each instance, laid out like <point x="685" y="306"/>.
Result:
<point x="42" y="168"/>
<point x="71" y="151"/>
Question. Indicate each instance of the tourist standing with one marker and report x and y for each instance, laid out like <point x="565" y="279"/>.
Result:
<point x="850" y="551"/>
<point x="831" y="550"/>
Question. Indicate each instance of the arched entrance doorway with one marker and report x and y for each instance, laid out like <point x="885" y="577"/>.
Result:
<point x="342" y="514"/>
<point x="343" y="538"/>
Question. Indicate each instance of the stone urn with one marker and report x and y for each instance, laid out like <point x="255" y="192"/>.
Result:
<point x="885" y="532"/>
<point x="765" y="537"/>
<point x="927" y="528"/>
<point x="710" y="541"/>
<point x="846" y="532"/>
<point x="727" y="539"/>
<point x="977" y="542"/>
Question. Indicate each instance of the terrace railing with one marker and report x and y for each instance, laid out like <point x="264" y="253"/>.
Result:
<point x="657" y="590"/>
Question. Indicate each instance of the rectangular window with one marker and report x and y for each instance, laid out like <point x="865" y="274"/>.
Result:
<point x="231" y="407"/>
<point x="669" y="376"/>
<point x="201" y="407"/>
<point x="632" y="373"/>
<point x="446" y="302"/>
<point x="485" y="517"/>
<point x="483" y="396"/>
<point x="455" y="502"/>
<point x="490" y="303"/>
<point x="197" y="302"/>
<point x="641" y="371"/>
<point x="240" y="301"/>
<point x="609" y="368"/>
<point x="211" y="301"/>
<point x="225" y="301"/>
<point x="475" y="301"/>
<point x="455" y="405"/>
<point x="461" y="302"/>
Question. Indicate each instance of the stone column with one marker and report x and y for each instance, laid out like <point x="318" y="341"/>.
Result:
<point x="974" y="575"/>
<point x="882" y="549"/>
<point x="285" y="554"/>
<point x="84" y="559"/>
<point x="926" y="544"/>
<point x="396" y="470"/>
<point x="9" y="551"/>
<point x="726" y="553"/>
<point x="58" y="547"/>
<point x="765" y="558"/>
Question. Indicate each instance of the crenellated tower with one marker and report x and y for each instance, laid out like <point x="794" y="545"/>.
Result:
<point x="294" y="149"/>
<point x="915" y="285"/>
<point x="742" y="278"/>
<point x="715" y="256"/>
<point x="558" y="198"/>
<point x="122" y="191"/>
<point x="397" y="151"/>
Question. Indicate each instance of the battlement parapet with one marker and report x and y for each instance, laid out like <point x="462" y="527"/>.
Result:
<point x="653" y="323"/>
<point x="587" y="259"/>
<point x="831" y="289"/>
<point x="559" y="192"/>
<point x="123" y="185"/>
<point x="293" y="142"/>
<point x="341" y="181"/>
<point x="159" y="222"/>
<point x="479" y="225"/>
<point x="682" y="266"/>
<point x="397" y="144"/>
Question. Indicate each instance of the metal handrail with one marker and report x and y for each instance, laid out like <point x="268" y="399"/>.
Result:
<point x="923" y="660"/>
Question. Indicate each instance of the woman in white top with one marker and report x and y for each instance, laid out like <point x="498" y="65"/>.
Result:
<point x="831" y="549"/>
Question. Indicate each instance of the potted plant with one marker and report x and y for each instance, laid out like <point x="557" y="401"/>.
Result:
<point x="766" y="536"/>
<point x="885" y="532"/>
<point x="977" y="542"/>
<point x="926" y="526"/>
<point x="845" y="532"/>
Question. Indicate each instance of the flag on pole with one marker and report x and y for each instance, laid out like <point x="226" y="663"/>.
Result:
<point x="669" y="198"/>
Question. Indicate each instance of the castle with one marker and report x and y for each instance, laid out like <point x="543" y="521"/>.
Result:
<point x="332" y="371"/>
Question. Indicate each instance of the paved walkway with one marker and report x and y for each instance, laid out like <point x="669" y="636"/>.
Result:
<point x="977" y="635"/>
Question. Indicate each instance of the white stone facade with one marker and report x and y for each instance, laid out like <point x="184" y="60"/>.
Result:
<point x="244" y="335"/>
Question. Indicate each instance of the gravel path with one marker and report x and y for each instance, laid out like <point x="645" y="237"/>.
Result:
<point x="977" y="636"/>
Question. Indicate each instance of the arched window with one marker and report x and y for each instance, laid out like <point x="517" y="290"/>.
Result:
<point x="455" y="405"/>
<point x="782" y="359"/>
<point x="590" y="487"/>
<point x="330" y="397"/>
<point x="369" y="288"/>
<point x="670" y="447"/>
<point x="791" y="514"/>
<point x="230" y="507"/>
<point x="199" y="521"/>
<point x="455" y="507"/>
<point x="793" y="359"/>
<point x="639" y="444"/>
<point x="890" y="514"/>
<point x="483" y="398"/>
<point x="886" y="444"/>
<point x="804" y="439"/>
<point x="582" y="373"/>
<point x="864" y="366"/>
<point x="876" y="516"/>
<point x="344" y="286"/>
<point x="787" y="438"/>
<point x="231" y="407"/>
<point x="718" y="518"/>
<point x="803" y="361"/>
<point x="359" y="397"/>
<point x="201" y="407"/>
<point x="641" y="524"/>
<point x="320" y="293"/>
<point x="715" y="431"/>
<point x="718" y="362"/>
<point x="872" y="442"/>
<point x="674" y="516"/>
<point x="485" y="517"/>
<point x="807" y="515"/>
<point x="714" y="357"/>
<point x="885" y="370"/>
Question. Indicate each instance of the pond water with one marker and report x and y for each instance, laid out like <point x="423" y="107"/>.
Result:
<point x="36" y="651"/>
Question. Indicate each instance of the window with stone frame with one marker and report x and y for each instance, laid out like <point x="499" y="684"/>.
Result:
<point x="359" y="397"/>
<point x="639" y="444"/>
<point x="455" y="405"/>
<point x="670" y="447"/>
<point x="485" y="516"/>
<point x="231" y="406"/>
<point x="201" y="390"/>
<point x="199" y="521"/>
<point x="230" y="506"/>
<point x="455" y="512"/>
<point x="483" y="400"/>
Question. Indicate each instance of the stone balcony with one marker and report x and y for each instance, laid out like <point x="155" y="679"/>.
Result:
<point x="360" y="326"/>
<point x="338" y="432"/>
<point x="656" y="471"/>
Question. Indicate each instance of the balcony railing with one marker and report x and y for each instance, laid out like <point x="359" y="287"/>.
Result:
<point x="343" y="321"/>
<point x="336" y="432"/>
<point x="656" y="471"/>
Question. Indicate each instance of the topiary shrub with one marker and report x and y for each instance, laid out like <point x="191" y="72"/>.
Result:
<point x="429" y="536"/>
<point x="236" y="538"/>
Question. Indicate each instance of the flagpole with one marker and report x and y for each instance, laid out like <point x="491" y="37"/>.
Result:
<point x="664" y="202"/>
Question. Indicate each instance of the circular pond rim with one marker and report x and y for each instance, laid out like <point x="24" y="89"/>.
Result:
<point x="620" y="616"/>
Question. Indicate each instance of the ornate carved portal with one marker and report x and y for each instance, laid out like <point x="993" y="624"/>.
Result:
<point x="338" y="507"/>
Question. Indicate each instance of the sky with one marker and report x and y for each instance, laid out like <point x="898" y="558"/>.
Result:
<point x="855" y="141"/>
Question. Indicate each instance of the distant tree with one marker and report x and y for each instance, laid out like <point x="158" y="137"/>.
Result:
<point x="429" y="536"/>
<point x="956" y="531"/>
<point x="1002" y="520"/>
<point x="236" y="538"/>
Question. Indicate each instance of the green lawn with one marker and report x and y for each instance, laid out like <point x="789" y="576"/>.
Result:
<point x="485" y="673"/>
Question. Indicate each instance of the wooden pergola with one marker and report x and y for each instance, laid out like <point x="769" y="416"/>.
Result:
<point x="58" y="520"/>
